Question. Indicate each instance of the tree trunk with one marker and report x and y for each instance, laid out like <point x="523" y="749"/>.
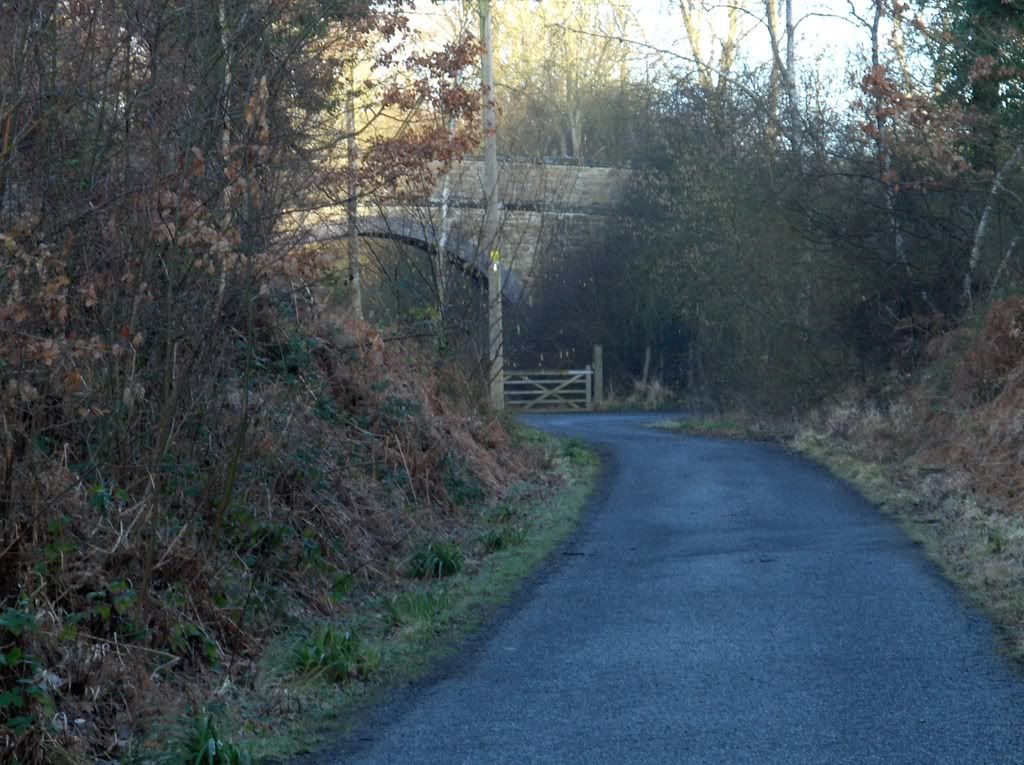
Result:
<point x="691" y="23"/>
<point x="889" y="188"/>
<point x="773" y="107"/>
<point x="792" y="95"/>
<point x="729" y="46"/>
<point x="1003" y="264"/>
<point x="225" y="147"/>
<point x="785" y="71"/>
<point x="986" y="216"/>
<point x="441" y="258"/>
<point x="576" y="128"/>
<point x="352" y="206"/>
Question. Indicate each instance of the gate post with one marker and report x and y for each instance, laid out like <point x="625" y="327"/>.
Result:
<point x="598" y="374"/>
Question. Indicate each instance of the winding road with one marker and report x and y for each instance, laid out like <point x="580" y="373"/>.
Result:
<point x="722" y="602"/>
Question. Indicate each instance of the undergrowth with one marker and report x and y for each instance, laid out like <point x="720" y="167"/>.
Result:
<point x="408" y="622"/>
<point x="135" y="582"/>
<point x="652" y="395"/>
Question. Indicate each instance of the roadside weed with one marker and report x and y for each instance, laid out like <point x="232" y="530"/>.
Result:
<point x="435" y="560"/>
<point x="576" y="453"/>
<point x="502" y="539"/>
<point x="338" y="655"/>
<point x="502" y="514"/>
<point x="419" y="608"/>
<point x="201" y="744"/>
<point x="996" y="542"/>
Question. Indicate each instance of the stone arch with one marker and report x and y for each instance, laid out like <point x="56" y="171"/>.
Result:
<point x="460" y="252"/>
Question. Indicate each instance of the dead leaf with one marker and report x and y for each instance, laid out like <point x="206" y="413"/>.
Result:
<point x="73" y="382"/>
<point x="89" y="294"/>
<point x="198" y="162"/>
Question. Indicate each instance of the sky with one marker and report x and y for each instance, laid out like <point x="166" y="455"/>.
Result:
<point x="662" y="25"/>
<point x="826" y="37"/>
<point x="820" y="35"/>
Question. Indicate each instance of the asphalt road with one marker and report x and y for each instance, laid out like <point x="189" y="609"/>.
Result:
<point x="723" y="602"/>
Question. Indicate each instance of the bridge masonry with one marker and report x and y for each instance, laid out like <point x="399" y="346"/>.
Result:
<point x="546" y="207"/>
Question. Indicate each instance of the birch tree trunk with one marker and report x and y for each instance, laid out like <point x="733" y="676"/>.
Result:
<point x="706" y="65"/>
<point x="225" y="146"/>
<point x="729" y="46"/>
<point x="440" y="257"/>
<point x="785" y="71"/>
<point x="773" y="107"/>
<point x="986" y="217"/>
<point x="1003" y="264"/>
<point x="691" y="23"/>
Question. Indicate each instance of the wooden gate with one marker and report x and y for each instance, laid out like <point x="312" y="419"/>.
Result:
<point x="550" y="390"/>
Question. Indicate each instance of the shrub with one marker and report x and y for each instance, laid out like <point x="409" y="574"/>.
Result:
<point x="998" y="349"/>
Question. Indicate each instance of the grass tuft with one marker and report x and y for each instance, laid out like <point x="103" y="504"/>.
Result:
<point x="435" y="560"/>
<point x="336" y="655"/>
<point x="502" y="539"/>
<point x="577" y="453"/>
<point x="417" y="608"/>
<point x="202" y="744"/>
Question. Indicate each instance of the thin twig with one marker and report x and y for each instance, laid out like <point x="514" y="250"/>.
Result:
<point x="408" y="473"/>
<point x="170" y="547"/>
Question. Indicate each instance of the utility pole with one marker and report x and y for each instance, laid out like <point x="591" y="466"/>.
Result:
<point x="352" y="208"/>
<point x="490" y="228"/>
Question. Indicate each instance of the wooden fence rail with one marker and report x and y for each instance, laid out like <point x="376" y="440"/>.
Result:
<point x="550" y="390"/>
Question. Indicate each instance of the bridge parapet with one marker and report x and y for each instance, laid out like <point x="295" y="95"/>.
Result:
<point x="538" y="186"/>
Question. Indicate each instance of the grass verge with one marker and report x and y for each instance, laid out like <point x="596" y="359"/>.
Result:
<point x="314" y="681"/>
<point x="977" y="543"/>
<point x="726" y="426"/>
<point x="978" y="547"/>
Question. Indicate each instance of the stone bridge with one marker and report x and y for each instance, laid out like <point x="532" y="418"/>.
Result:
<point x="547" y="207"/>
<point x="424" y="236"/>
<point x="547" y="210"/>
